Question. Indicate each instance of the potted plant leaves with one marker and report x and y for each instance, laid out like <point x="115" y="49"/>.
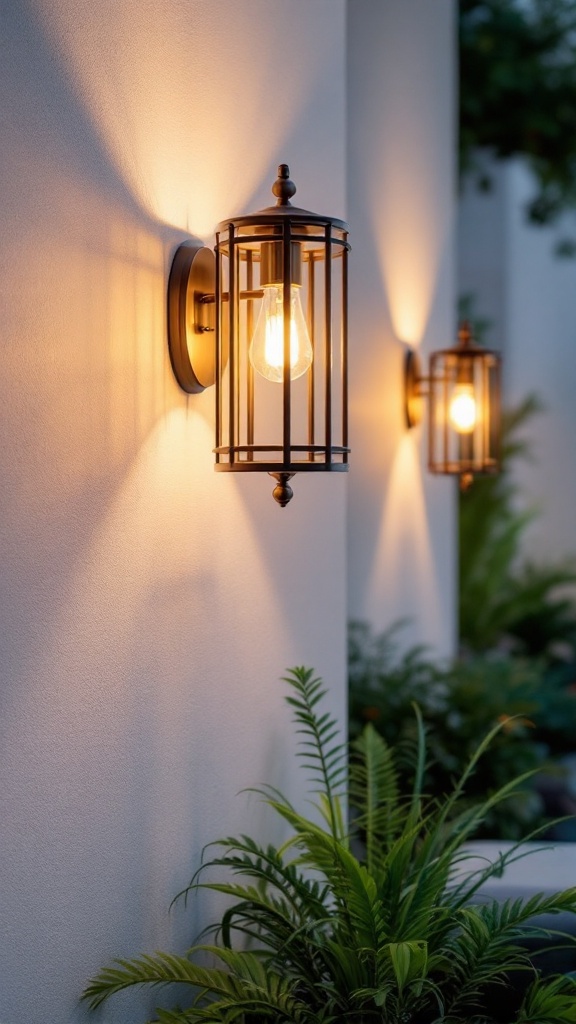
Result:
<point x="374" y="921"/>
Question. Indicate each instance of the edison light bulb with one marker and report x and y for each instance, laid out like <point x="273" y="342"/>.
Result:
<point x="462" y="409"/>
<point x="267" y="348"/>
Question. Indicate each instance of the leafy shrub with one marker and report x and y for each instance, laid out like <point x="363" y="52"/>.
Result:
<point x="389" y="933"/>
<point x="459" y="702"/>
<point x="518" y="95"/>
<point x="503" y="600"/>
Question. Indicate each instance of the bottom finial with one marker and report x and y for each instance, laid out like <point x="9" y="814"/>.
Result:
<point x="282" y="493"/>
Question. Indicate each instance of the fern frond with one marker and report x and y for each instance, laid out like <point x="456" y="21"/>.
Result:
<point x="246" y="985"/>
<point x="549" y="1002"/>
<point x="323" y="755"/>
<point x="155" y="969"/>
<point x="491" y="937"/>
<point x="375" y="796"/>
<point x="352" y="887"/>
<point x="245" y="857"/>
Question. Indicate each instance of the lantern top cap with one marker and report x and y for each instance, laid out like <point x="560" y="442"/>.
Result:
<point x="283" y="188"/>
<point x="467" y="347"/>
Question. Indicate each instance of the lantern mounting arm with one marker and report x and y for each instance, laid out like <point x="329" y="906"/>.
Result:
<point x="252" y="293"/>
<point x="191" y="298"/>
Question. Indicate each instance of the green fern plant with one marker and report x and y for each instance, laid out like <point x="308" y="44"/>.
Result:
<point x="377" y="923"/>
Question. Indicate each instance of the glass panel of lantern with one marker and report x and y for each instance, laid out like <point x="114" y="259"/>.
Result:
<point x="281" y="286"/>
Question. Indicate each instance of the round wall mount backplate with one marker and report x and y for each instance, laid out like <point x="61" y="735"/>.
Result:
<point x="191" y="336"/>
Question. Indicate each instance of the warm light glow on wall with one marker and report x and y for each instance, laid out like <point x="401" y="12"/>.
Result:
<point x="413" y="238"/>
<point x="404" y="551"/>
<point x="172" y="143"/>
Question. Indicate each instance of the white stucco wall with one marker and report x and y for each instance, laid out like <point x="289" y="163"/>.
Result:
<point x="148" y="605"/>
<point x="534" y="322"/>
<point x="401" y="198"/>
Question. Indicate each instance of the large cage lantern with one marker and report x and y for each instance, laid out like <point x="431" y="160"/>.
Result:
<point x="265" y="320"/>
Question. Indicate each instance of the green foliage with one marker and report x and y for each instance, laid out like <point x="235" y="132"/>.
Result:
<point x="555" y="1005"/>
<point x="518" y="94"/>
<point x="502" y="599"/>
<point x="326" y="928"/>
<point x="459" y="702"/>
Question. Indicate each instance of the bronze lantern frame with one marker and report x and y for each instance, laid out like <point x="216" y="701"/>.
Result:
<point x="295" y="425"/>
<point x="476" y="449"/>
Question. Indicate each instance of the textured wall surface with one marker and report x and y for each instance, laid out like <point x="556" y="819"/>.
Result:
<point x="148" y="605"/>
<point x="401" y="195"/>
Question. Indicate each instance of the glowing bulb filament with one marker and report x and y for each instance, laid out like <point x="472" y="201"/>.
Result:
<point x="274" y="343"/>
<point x="267" y="349"/>
<point x="462" y="411"/>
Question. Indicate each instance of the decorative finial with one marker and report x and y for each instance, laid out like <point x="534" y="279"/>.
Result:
<point x="283" y="188"/>
<point x="465" y="335"/>
<point x="282" y="493"/>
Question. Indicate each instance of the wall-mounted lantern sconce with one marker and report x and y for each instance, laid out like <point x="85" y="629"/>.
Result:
<point x="463" y="391"/>
<point x="265" y="320"/>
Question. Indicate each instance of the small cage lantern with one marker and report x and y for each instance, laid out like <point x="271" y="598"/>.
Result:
<point x="463" y="389"/>
<point x="269" y="317"/>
